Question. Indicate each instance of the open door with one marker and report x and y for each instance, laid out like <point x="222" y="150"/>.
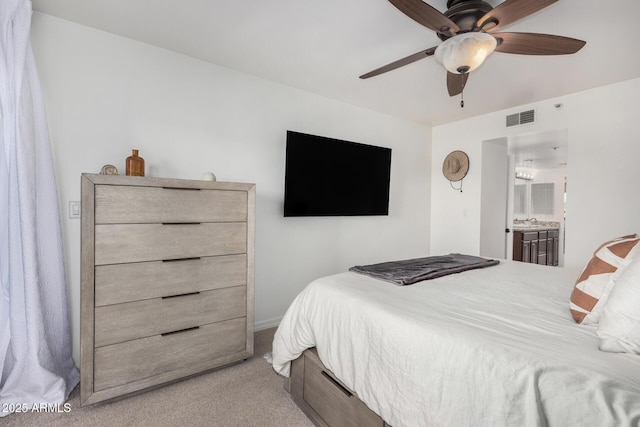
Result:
<point x="494" y="237"/>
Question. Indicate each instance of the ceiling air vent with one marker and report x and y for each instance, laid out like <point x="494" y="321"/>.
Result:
<point x="522" y="118"/>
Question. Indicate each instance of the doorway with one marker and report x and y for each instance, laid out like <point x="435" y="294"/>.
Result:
<point x="524" y="173"/>
<point x="538" y="184"/>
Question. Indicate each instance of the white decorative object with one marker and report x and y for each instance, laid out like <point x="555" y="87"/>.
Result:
<point x="109" y="170"/>
<point x="208" y="176"/>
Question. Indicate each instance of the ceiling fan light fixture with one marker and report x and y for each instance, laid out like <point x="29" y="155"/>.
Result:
<point x="465" y="52"/>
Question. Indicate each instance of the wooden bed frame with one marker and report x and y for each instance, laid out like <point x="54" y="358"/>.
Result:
<point x="323" y="398"/>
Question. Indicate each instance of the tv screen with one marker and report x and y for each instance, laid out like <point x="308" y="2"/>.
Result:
<point x="331" y="177"/>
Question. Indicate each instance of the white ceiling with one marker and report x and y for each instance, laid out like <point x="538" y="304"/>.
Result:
<point x="323" y="46"/>
<point x="540" y="150"/>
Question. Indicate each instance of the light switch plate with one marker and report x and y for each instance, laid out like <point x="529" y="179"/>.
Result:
<point x="74" y="210"/>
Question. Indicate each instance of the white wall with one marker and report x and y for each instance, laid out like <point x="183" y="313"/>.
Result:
<point x="106" y="95"/>
<point x="603" y="172"/>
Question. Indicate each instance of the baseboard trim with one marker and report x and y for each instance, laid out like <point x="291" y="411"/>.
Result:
<point x="266" y="324"/>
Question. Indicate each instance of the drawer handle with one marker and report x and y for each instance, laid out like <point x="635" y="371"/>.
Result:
<point x="180" y="330"/>
<point x="180" y="295"/>
<point x="337" y="384"/>
<point x="181" y="259"/>
<point x="181" y="223"/>
<point x="181" y="188"/>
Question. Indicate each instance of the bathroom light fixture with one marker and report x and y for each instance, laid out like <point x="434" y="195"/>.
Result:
<point x="465" y="52"/>
<point x="524" y="175"/>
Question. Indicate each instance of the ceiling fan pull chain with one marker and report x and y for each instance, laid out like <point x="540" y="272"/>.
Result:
<point x="462" y="99"/>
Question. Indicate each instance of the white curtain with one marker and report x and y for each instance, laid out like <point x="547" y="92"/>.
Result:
<point x="35" y="343"/>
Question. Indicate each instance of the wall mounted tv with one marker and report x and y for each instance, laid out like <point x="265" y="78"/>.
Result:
<point x="331" y="177"/>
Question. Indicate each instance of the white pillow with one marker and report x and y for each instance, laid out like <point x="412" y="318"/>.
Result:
<point x="619" y="327"/>
<point x="594" y="284"/>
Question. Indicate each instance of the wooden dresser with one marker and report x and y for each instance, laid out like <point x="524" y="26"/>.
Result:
<point x="167" y="281"/>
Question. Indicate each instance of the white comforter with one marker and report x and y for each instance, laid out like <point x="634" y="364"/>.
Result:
<point x="489" y="347"/>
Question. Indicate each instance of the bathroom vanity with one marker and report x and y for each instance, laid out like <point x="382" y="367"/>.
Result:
<point x="536" y="244"/>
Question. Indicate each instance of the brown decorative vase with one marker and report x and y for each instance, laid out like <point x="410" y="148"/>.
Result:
<point x="135" y="164"/>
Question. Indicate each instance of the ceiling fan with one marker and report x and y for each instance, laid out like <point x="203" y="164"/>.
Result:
<point x="468" y="33"/>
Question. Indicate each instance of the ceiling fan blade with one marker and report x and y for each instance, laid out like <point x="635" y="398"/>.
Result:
<point x="426" y="15"/>
<point x="510" y="11"/>
<point x="536" y="44"/>
<point x="456" y="82"/>
<point x="400" y="63"/>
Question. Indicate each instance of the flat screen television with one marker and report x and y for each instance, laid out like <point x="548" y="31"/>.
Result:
<point x="331" y="177"/>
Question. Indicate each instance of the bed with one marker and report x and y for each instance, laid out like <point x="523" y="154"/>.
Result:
<point x="494" y="346"/>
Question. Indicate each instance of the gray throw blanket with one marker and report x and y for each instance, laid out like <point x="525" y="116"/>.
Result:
<point x="407" y="272"/>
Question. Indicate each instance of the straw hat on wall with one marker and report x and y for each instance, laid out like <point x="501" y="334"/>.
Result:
<point x="455" y="166"/>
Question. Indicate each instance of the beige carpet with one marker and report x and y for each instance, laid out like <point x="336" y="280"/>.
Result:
<point x="245" y="394"/>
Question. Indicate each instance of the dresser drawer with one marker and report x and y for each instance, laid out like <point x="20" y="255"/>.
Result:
<point x="139" y="319"/>
<point x="130" y="361"/>
<point x="117" y="283"/>
<point x="130" y="204"/>
<point x="125" y="243"/>
<point x="331" y="400"/>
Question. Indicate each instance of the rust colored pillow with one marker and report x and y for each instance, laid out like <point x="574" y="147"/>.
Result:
<point x="592" y="288"/>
